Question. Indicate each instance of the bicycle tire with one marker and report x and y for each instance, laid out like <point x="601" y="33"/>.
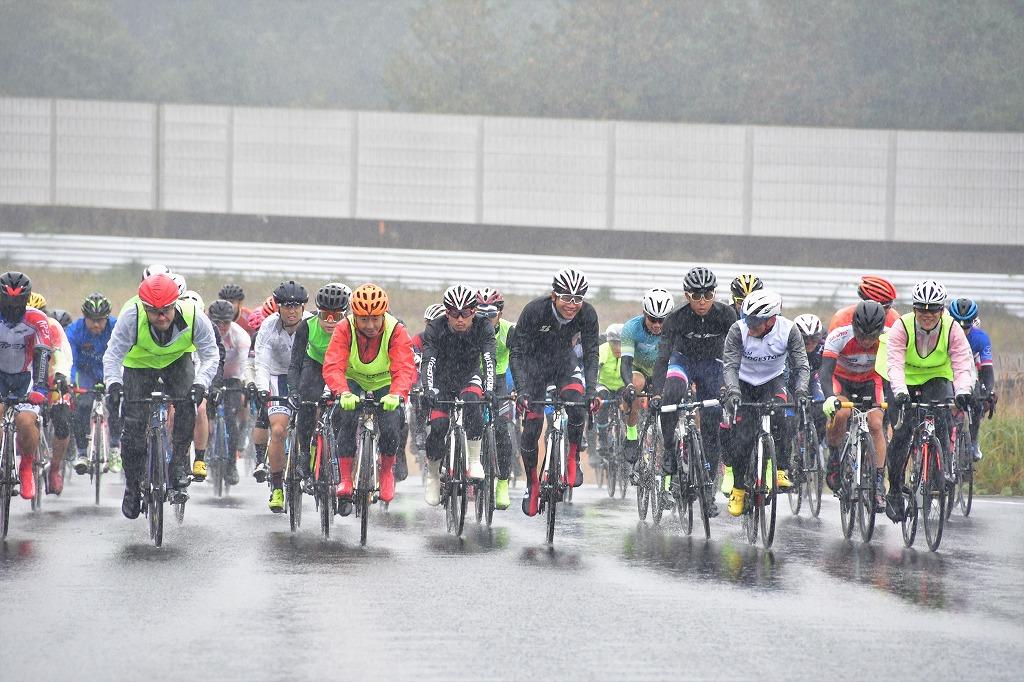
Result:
<point x="699" y="475"/>
<point x="323" y="487"/>
<point x="462" y="484"/>
<point x="912" y="480"/>
<point x="848" y="498"/>
<point x="156" y="492"/>
<point x="292" y="487"/>
<point x="490" y="448"/>
<point x="610" y="469"/>
<point x="949" y="466"/>
<point x="795" y="493"/>
<point x="816" y="479"/>
<point x="751" y="519"/>
<point x="98" y="456"/>
<point x="933" y="500"/>
<point x="965" y="473"/>
<point x="551" y="503"/>
<point x="866" y="505"/>
<point x="367" y="458"/>
<point x="770" y="496"/>
<point x="364" y="516"/>
<point x="6" y="482"/>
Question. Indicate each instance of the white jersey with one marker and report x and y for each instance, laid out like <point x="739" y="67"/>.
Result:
<point x="236" y="351"/>
<point x="273" y="350"/>
<point x="765" y="358"/>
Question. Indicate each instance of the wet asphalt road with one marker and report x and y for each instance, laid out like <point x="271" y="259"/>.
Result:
<point x="233" y="595"/>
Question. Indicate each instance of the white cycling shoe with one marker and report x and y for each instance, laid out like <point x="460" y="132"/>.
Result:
<point x="432" y="493"/>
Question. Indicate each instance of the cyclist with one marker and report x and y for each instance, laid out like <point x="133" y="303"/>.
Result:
<point x="847" y="370"/>
<point x="25" y="349"/>
<point x="453" y="349"/>
<point x="871" y="288"/>
<point x="609" y="386"/>
<point x="201" y="432"/>
<point x="59" y="414"/>
<point x="755" y="355"/>
<point x="152" y="340"/>
<point x="62" y="316"/>
<point x="370" y="354"/>
<point x="236" y="351"/>
<point x="928" y="356"/>
<point x="542" y="353"/>
<point x="640" y="338"/>
<point x="272" y="361"/>
<point x="741" y="287"/>
<point x="305" y="373"/>
<point x="691" y="353"/>
<point x="491" y="306"/>
<point x="811" y="329"/>
<point x="965" y="312"/>
<point x="419" y="427"/>
<point x="89" y="337"/>
<point x="235" y="294"/>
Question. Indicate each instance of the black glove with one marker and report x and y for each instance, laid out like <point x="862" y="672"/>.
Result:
<point x="802" y="399"/>
<point x="629" y="393"/>
<point x="901" y="399"/>
<point x="655" y="403"/>
<point x="732" y="402"/>
<point x="294" y="403"/>
<point x="60" y="382"/>
<point x="990" y="404"/>
<point x="263" y="397"/>
<point x="114" y="390"/>
<point x="197" y="394"/>
<point x="963" y="400"/>
<point x="522" y="403"/>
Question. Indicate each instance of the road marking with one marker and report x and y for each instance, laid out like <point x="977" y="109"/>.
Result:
<point x="1016" y="504"/>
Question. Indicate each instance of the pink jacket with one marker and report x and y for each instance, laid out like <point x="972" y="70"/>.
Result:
<point x="959" y="354"/>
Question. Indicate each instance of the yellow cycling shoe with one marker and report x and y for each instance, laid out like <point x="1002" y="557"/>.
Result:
<point x="736" y="501"/>
<point x="727" y="481"/>
<point x="782" y="480"/>
<point x="277" y="501"/>
<point x="199" y="470"/>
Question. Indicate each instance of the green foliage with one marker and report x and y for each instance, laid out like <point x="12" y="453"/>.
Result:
<point x="1002" y="467"/>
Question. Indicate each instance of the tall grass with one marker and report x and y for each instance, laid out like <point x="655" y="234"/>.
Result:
<point x="1001" y="470"/>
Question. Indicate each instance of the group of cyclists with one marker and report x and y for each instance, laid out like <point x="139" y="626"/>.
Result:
<point x="349" y="347"/>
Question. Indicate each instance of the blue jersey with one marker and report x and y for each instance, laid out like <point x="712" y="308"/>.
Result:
<point x="981" y="346"/>
<point x="87" y="352"/>
<point x="640" y="344"/>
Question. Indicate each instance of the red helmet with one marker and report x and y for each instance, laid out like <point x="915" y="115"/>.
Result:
<point x="255" y="320"/>
<point x="269" y="306"/>
<point x="158" y="291"/>
<point x="875" y="288"/>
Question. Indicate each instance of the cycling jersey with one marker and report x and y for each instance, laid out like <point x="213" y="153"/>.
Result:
<point x="692" y="336"/>
<point x="236" y="351"/>
<point x="352" y="356"/>
<point x="981" y="346"/>
<point x="542" y="339"/>
<point x="61" y="360"/>
<point x="18" y="342"/>
<point x="608" y="376"/>
<point x="844" y="317"/>
<point x="758" y="361"/>
<point x="458" y="355"/>
<point x="640" y="344"/>
<point x="87" y="351"/>
<point x="854" y="362"/>
<point x="273" y="350"/>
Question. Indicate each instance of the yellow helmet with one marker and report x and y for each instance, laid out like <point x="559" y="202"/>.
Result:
<point x="36" y="300"/>
<point x="744" y="285"/>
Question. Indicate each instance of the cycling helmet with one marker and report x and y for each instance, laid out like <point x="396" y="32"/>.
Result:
<point x="487" y="310"/>
<point x="744" y="285"/>
<point x="613" y="333"/>
<point x="15" y="288"/>
<point x="762" y="304"/>
<point x="332" y="297"/>
<point x="63" y="316"/>
<point x="808" y="324"/>
<point x="963" y="310"/>
<point x="96" y="306"/>
<point x="155" y="269"/>
<point x="269" y="307"/>
<point x="290" y="292"/>
<point x="255" y="320"/>
<point x="699" y="278"/>
<point x="231" y="292"/>
<point x="369" y="299"/>
<point x="929" y="293"/>
<point x="875" y="288"/>
<point x="570" y="281"/>
<point x="37" y="300"/>
<point x="222" y="310"/>
<point x="459" y="297"/>
<point x="868" y="318"/>
<point x="433" y="311"/>
<point x="658" y="303"/>
<point x="489" y="296"/>
<point x="180" y="281"/>
<point x="345" y="288"/>
<point x="195" y="298"/>
<point x="158" y="291"/>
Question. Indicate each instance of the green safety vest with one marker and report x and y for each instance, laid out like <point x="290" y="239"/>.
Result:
<point x="609" y="375"/>
<point x="375" y="374"/>
<point x="316" y="344"/>
<point x="147" y="354"/>
<point x="936" y="364"/>
<point x="500" y="349"/>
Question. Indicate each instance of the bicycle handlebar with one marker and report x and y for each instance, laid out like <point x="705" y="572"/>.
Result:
<point x="690" y="406"/>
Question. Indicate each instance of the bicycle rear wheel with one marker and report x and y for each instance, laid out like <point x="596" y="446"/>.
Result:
<point x="6" y="482"/>
<point x="798" y="451"/>
<point x="98" y="455"/>
<point x="912" y="480"/>
<point x="769" y="500"/>
<point x="489" y="447"/>
<point x="752" y="510"/>
<point x="866" y="504"/>
<point x="933" y="502"/>
<point x="815" y="479"/>
<point x="156" y="492"/>
<point x="848" y="497"/>
<point x="701" y="483"/>
<point x="324" y="490"/>
<point x="964" y="472"/>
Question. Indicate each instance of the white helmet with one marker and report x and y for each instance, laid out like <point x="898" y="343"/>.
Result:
<point x="808" y="324"/>
<point x="613" y="333"/>
<point x="929" y="293"/>
<point x="195" y="298"/>
<point x="155" y="269"/>
<point x="658" y="302"/>
<point x="459" y="297"/>
<point x="180" y="281"/>
<point x="762" y="304"/>
<point x="433" y="311"/>
<point x="570" y="281"/>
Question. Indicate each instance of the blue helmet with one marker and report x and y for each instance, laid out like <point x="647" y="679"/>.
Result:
<point x="963" y="310"/>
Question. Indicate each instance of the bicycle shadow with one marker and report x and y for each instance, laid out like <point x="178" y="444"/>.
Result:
<point x="475" y="539"/>
<point x="305" y="551"/>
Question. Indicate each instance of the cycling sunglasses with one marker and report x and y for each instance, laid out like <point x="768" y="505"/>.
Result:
<point x="703" y="295"/>
<point x="465" y="313"/>
<point x="654" y="320"/>
<point x="930" y="308"/>
<point x="292" y="304"/>
<point x="166" y="311"/>
<point x="330" y="315"/>
<point x="569" y="298"/>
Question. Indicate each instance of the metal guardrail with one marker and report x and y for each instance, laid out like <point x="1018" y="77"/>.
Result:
<point x="426" y="269"/>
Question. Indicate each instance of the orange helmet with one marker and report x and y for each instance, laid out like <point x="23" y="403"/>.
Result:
<point x="875" y="288"/>
<point x="369" y="299"/>
<point x="269" y="306"/>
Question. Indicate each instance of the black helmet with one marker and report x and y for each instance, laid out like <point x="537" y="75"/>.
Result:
<point x="231" y="292"/>
<point x="62" y="316"/>
<point x="95" y="306"/>
<point x="868" y="319"/>
<point x="15" y="288"/>
<point x="332" y="297"/>
<point x="699" y="278"/>
<point x="221" y="311"/>
<point x="290" y="292"/>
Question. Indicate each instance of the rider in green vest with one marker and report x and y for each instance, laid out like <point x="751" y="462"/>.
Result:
<point x="609" y="383"/>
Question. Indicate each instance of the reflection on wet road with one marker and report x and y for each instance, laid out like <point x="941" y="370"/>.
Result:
<point x="234" y="595"/>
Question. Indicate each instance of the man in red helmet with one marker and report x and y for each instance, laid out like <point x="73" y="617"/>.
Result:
<point x="871" y="288"/>
<point x="154" y="338"/>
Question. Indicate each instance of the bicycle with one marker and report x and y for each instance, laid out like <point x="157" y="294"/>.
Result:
<point x="924" y="490"/>
<point x="484" y="493"/>
<point x="858" y="485"/>
<point x="41" y="462"/>
<point x="220" y="457"/>
<point x="963" y="469"/>
<point x="692" y="480"/>
<point x="650" y="481"/>
<point x="614" y="469"/>
<point x="417" y="427"/>
<point x="454" y="482"/>
<point x="552" y="483"/>
<point x="98" y="439"/>
<point x="324" y="463"/>
<point x="367" y="465"/>
<point x="806" y="470"/>
<point x="8" y="473"/>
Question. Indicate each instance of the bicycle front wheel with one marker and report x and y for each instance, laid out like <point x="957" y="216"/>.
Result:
<point x="701" y="483"/>
<point x="98" y="455"/>
<point x="933" y="502"/>
<point x="795" y="493"/>
<point x="6" y="482"/>
<point x="964" y="472"/>
<point x="848" y="498"/>
<point x="156" y="492"/>
<point x="867" y="490"/>
<point x="490" y="449"/>
<point x="768" y="499"/>
<point x="912" y="480"/>
<point x="815" y="479"/>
